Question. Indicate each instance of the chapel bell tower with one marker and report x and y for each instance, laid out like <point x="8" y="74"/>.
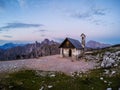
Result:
<point x="83" y="36"/>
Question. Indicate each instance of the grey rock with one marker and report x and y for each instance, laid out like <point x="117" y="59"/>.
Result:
<point x="107" y="53"/>
<point x="42" y="88"/>
<point x="112" y="55"/>
<point x="109" y="89"/>
<point x="113" y="72"/>
<point x="110" y="59"/>
<point x="117" y="53"/>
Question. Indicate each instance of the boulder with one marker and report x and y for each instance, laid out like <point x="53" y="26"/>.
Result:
<point x="112" y="55"/>
<point x="109" y="89"/>
<point x="107" y="53"/>
<point x="117" y="53"/>
<point x="110" y="59"/>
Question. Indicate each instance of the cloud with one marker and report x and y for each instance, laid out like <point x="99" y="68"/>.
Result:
<point x="18" y="25"/>
<point x="90" y="13"/>
<point x="82" y="15"/>
<point x="42" y="35"/>
<point x="5" y="4"/>
<point x="22" y="3"/>
<point x="58" y="39"/>
<point x="42" y="30"/>
<point x="100" y="12"/>
<point x="7" y="36"/>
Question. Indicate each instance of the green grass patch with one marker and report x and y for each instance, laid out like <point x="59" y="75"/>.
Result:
<point x="31" y="80"/>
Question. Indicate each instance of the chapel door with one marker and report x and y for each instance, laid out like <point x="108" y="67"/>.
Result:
<point x="70" y="52"/>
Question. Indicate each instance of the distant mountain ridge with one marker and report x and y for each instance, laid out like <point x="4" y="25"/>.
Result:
<point x="33" y="50"/>
<point x="90" y="44"/>
<point x="95" y="45"/>
<point x="11" y="51"/>
<point x="10" y="45"/>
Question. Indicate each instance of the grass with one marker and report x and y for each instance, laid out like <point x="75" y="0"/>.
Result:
<point x="30" y="80"/>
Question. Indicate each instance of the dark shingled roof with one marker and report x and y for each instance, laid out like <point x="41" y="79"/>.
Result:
<point x="74" y="42"/>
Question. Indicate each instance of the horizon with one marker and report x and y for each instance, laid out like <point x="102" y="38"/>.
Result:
<point x="25" y="21"/>
<point x="25" y="43"/>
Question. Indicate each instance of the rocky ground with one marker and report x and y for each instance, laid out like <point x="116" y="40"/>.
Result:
<point x="48" y="63"/>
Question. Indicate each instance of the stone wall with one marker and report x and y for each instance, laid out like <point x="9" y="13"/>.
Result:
<point x="65" y="53"/>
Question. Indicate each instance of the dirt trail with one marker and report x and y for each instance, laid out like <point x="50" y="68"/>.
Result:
<point x="48" y="63"/>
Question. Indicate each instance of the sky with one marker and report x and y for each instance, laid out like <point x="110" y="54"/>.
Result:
<point x="23" y="21"/>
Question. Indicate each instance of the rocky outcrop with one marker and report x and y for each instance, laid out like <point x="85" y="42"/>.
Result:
<point x="111" y="59"/>
<point x="33" y="50"/>
<point x="91" y="56"/>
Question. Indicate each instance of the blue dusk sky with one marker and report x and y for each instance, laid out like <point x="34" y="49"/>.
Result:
<point x="34" y="20"/>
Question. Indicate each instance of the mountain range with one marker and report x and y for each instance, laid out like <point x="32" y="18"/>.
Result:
<point x="11" y="51"/>
<point x="96" y="45"/>
<point x="90" y="44"/>
<point x="10" y="45"/>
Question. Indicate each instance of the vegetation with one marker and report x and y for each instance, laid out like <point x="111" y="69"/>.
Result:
<point x="39" y="80"/>
<point x="101" y="51"/>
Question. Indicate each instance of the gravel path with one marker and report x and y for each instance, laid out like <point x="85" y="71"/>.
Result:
<point x="48" y="63"/>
